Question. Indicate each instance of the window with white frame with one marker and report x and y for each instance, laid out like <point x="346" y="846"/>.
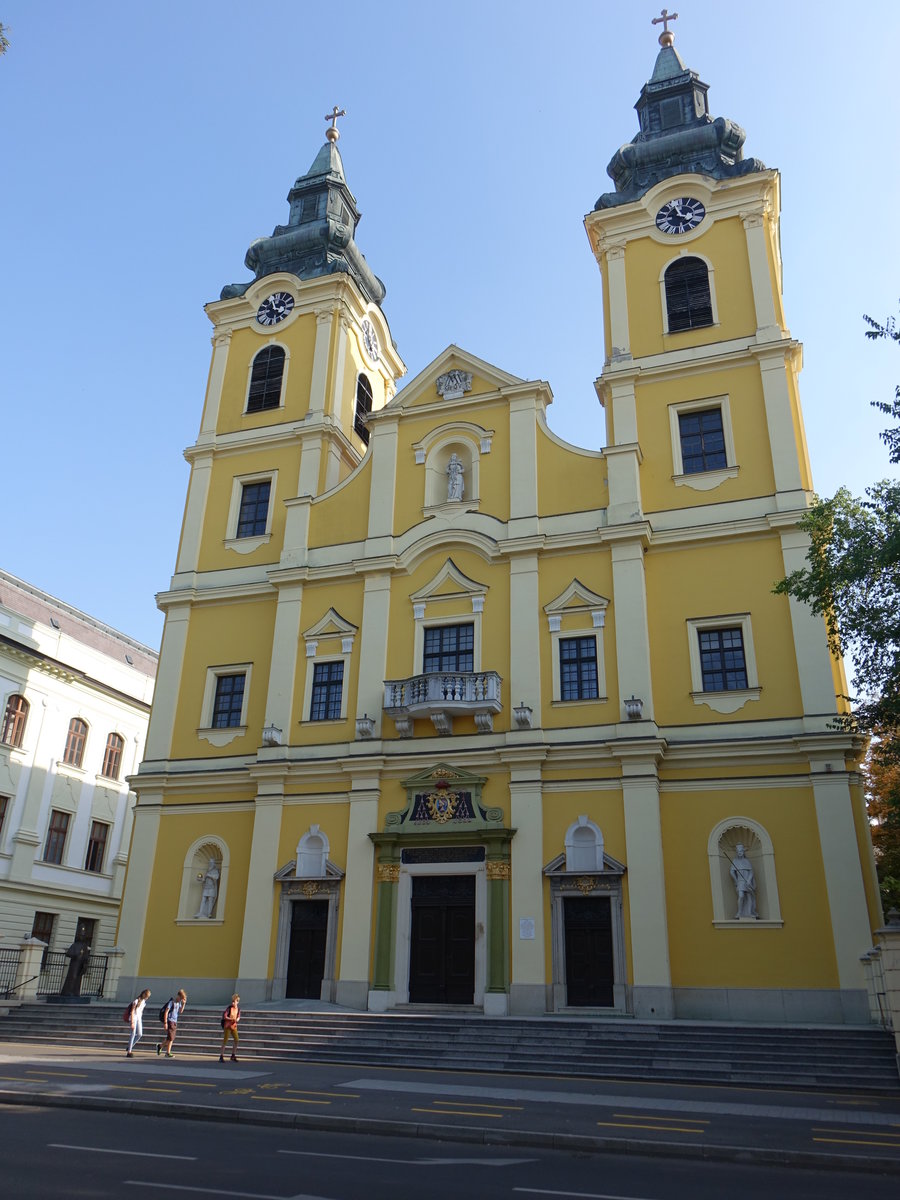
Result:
<point x="57" y="831"/>
<point x="266" y="378"/>
<point x="329" y="649"/>
<point x="225" y="697"/>
<point x="449" y="648"/>
<point x="688" y="298"/>
<point x="702" y="442"/>
<point x="576" y="619"/>
<point x="723" y="662"/>
<point x="250" y="511"/>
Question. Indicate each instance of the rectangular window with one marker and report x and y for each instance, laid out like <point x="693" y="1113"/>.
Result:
<point x="449" y="648"/>
<point x="56" y="837"/>
<point x="229" y="702"/>
<point x="4" y="804"/>
<point x="254" y="511"/>
<point x="96" y="847"/>
<point x="702" y="441"/>
<point x="722" y="662"/>
<point x="578" y="668"/>
<point x="328" y="684"/>
<point x="42" y="928"/>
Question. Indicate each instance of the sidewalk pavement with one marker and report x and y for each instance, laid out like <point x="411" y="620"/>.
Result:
<point x="824" y="1130"/>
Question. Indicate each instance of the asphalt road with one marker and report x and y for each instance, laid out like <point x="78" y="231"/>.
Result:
<point x="733" y="1125"/>
<point x="50" y="1153"/>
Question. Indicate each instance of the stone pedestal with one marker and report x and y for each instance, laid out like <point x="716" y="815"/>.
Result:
<point x="28" y="970"/>
<point x="115" y="959"/>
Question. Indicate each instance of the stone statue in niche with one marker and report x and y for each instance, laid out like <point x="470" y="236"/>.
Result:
<point x="454" y="478"/>
<point x="209" y="892"/>
<point x="745" y="884"/>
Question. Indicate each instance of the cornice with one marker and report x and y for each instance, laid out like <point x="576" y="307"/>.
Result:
<point x="695" y="360"/>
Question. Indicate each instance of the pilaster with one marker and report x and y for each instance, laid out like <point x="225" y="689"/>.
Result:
<point x="256" y="938"/>
<point x="373" y="649"/>
<point x="651" y="974"/>
<point x="620" y="338"/>
<point x="843" y="872"/>
<point x="194" y="512"/>
<point x="760" y="278"/>
<point x="319" y="382"/>
<point x="221" y="341"/>
<point x="381" y="495"/>
<point x="810" y="637"/>
<point x="524" y="635"/>
<point x="353" y="978"/>
<point x="632" y="630"/>
<point x="136" y="901"/>
<point x="285" y="648"/>
<point x="786" y="454"/>
<point x="168" y="682"/>
<point x="527" y="991"/>
<point x="523" y="483"/>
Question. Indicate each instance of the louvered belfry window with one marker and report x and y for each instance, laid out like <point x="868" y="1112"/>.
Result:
<point x="688" y="300"/>
<point x="363" y="407"/>
<point x="265" y="379"/>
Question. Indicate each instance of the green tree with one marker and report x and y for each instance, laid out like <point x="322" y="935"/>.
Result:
<point x="883" y="802"/>
<point x="4" y="40"/>
<point x="853" y="580"/>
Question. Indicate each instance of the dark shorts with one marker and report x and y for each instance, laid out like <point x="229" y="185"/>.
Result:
<point x="171" y="1030"/>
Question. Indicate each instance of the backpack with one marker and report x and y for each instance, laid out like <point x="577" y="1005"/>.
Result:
<point x="126" y="1015"/>
<point x="226" y="1011"/>
<point x="164" y="1011"/>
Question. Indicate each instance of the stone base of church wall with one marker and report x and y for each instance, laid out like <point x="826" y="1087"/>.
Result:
<point x="527" y="999"/>
<point x="652" y="1003"/>
<point x="352" y="993"/>
<point x="199" y="990"/>
<point x="786" y="1006"/>
<point x="496" y="1004"/>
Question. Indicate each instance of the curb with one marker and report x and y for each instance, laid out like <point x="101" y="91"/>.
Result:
<point x="572" y="1142"/>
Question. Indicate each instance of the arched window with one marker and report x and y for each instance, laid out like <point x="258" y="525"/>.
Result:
<point x="312" y="854"/>
<point x="363" y="407"/>
<point x="688" y="299"/>
<point x="584" y="846"/>
<point x="14" y="721"/>
<point x="112" y="756"/>
<point x="265" y="379"/>
<point x="74" y="751"/>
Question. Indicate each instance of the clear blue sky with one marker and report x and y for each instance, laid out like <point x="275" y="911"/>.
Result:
<point x="146" y="145"/>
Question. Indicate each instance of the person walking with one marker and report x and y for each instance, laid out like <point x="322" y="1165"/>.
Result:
<point x="230" y="1018"/>
<point x="173" y="1011"/>
<point x="137" y="1021"/>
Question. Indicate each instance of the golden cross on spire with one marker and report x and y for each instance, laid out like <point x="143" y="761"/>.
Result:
<point x="334" y="133"/>
<point x="666" y="38"/>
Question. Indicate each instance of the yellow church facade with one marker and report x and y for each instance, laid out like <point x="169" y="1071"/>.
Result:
<point x="451" y="712"/>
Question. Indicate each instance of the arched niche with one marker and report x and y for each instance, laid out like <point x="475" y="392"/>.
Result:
<point x="205" y="850"/>
<point x="722" y="851"/>
<point x="312" y="854"/>
<point x="584" y="846"/>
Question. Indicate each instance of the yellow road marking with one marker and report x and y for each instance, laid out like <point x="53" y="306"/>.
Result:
<point x="857" y="1142"/>
<point x="334" y="1095"/>
<point x="439" y="1112"/>
<point x="63" y="1074"/>
<point x="289" y="1100"/>
<point x="651" y="1117"/>
<point x="477" y="1104"/>
<point x="867" y="1132"/>
<point x="187" y="1083"/>
<point x="655" y="1128"/>
<point x="125" y="1087"/>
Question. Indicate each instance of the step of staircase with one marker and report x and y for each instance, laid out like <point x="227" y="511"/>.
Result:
<point x="845" y="1058"/>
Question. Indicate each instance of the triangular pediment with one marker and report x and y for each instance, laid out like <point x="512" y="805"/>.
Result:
<point x="576" y="598"/>
<point x="557" y="866"/>
<point x="289" y="871"/>
<point x="486" y="379"/>
<point x="449" y="584"/>
<point x="332" y="625"/>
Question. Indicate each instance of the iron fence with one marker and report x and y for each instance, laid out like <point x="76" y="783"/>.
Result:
<point x="55" y="967"/>
<point x="9" y="962"/>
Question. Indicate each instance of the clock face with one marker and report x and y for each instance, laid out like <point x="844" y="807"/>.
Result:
<point x="370" y="340"/>
<point x="275" y="308"/>
<point x="680" y="216"/>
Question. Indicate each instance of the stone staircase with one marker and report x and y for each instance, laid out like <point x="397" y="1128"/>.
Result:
<point x="844" y="1058"/>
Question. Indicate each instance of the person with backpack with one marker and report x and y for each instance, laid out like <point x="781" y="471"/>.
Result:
<point x="169" y="1014"/>
<point x="134" y="1015"/>
<point x="230" y="1018"/>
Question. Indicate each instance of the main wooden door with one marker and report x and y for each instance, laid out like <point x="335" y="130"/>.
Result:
<point x="589" y="951"/>
<point x="442" y="945"/>
<point x="306" y="955"/>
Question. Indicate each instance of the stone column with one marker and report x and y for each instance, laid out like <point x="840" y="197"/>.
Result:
<point x="528" y="988"/>
<point x="385" y="925"/>
<point x="114" y="962"/>
<point x="256" y="938"/>
<point x="651" y="974"/>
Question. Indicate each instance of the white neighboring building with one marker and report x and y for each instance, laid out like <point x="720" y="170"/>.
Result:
<point x="74" y="704"/>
